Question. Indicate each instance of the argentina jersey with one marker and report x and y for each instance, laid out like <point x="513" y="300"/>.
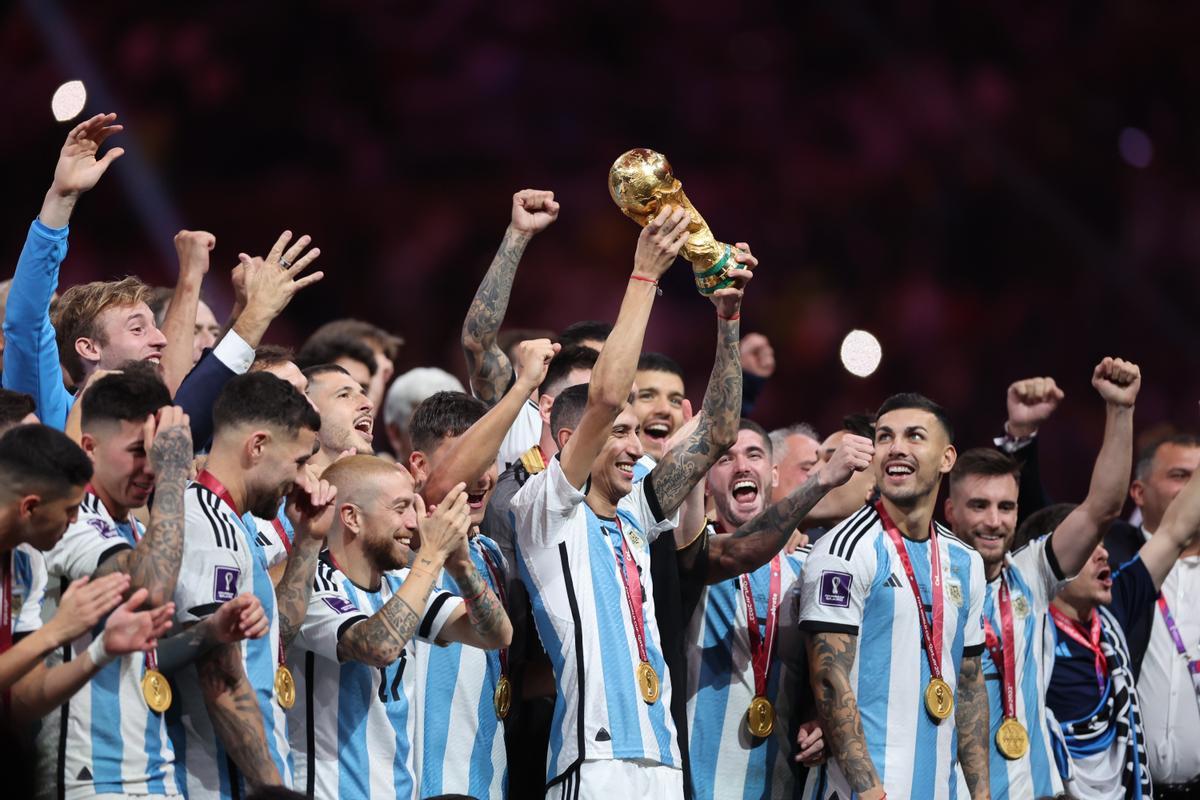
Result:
<point x="568" y="562"/>
<point x="110" y="742"/>
<point x="353" y="725"/>
<point x="727" y="760"/>
<point x="1033" y="578"/>
<point x="28" y="590"/>
<point x="221" y="560"/>
<point x="854" y="583"/>
<point x="459" y="740"/>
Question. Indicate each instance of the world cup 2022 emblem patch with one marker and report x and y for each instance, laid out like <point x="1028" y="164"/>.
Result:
<point x="835" y="589"/>
<point x="225" y="583"/>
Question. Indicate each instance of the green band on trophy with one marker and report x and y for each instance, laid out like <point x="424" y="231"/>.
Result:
<point x="715" y="277"/>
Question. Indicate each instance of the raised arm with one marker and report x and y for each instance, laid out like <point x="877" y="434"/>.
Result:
<point x="31" y="361"/>
<point x="236" y="717"/>
<point x="488" y="367"/>
<point x="311" y="511"/>
<point x="1175" y="534"/>
<point x="153" y="564"/>
<point x="1118" y="382"/>
<point x="684" y="465"/>
<point x="831" y="659"/>
<point x="971" y="721"/>
<point x="475" y="451"/>
<point x="612" y="377"/>
<point x="179" y="324"/>
<point x="270" y="284"/>
<point x="481" y="621"/>
<point x="757" y="542"/>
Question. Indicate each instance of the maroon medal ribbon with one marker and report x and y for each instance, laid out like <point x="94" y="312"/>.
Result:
<point x="633" y="593"/>
<point x="931" y="638"/>
<point x="761" y="645"/>
<point x="1003" y="650"/>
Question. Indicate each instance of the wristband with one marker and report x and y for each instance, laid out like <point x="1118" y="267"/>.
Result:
<point x="97" y="652"/>
<point x="657" y="288"/>
<point x="734" y="318"/>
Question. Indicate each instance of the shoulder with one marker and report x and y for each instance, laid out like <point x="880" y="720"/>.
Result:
<point x="204" y="508"/>
<point x="327" y="578"/>
<point x="844" y="540"/>
<point x="952" y="541"/>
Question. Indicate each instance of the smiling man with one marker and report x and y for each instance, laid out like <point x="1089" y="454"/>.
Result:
<point x="658" y="401"/>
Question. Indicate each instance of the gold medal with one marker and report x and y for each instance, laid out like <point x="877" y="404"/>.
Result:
<point x="157" y="690"/>
<point x="647" y="680"/>
<point x="760" y="718"/>
<point x="939" y="699"/>
<point x="502" y="697"/>
<point x="1011" y="740"/>
<point x="285" y="687"/>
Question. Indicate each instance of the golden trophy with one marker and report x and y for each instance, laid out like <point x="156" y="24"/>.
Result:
<point x="641" y="183"/>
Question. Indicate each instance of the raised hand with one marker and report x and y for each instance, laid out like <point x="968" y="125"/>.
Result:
<point x="270" y="283"/>
<point x="729" y="300"/>
<point x="128" y="630"/>
<point x="241" y="618"/>
<point x="758" y="357"/>
<point x="533" y="359"/>
<point x="1030" y="403"/>
<point x="1117" y="381"/>
<point x="193" y="249"/>
<point x="444" y="531"/>
<point x="167" y="437"/>
<point x="853" y="454"/>
<point x="310" y="506"/>
<point x="78" y="169"/>
<point x="660" y="242"/>
<point x="84" y="604"/>
<point x="533" y="210"/>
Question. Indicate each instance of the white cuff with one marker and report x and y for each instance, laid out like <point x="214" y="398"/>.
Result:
<point x="234" y="353"/>
<point x="98" y="653"/>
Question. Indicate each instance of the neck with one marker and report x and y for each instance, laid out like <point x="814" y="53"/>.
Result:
<point x="600" y="504"/>
<point x="547" y="443"/>
<point x="353" y="562"/>
<point x="10" y="536"/>
<point x="913" y="520"/>
<point x="118" y="512"/>
<point x="227" y="469"/>
<point x="1078" y="610"/>
<point x="992" y="571"/>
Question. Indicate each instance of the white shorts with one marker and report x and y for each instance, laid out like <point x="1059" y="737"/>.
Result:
<point x="606" y="779"/>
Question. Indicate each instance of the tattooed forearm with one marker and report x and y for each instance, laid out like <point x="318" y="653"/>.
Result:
<point x="380" y="639"/>
<point x="154" y="563"/>
<point x="295" y="587"/>
<point x="971" y="720"/>
<point x="488" y="618"/>
<point x="831" y="656"/>
<point x="487" y="365"/>
<point x="236" y="717"/>
<point x="687" y="462"/>
<point x="186" y="646"/>
<point x="757" y="542"/>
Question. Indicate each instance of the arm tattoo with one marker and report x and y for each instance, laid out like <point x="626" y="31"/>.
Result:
<point x="380" y="639"/>
<point x="236" y="717"/>
<point x="757" y="542"/>
<point x="971" y="720"/>
<point x="185" y="646"/>
<point x="685" y="464"/>
<point x="154" y="563"/>
<point x="832" y="658"/>
<point x="485" y="612"/>
<point x="487" y="365"/>
<point x="295" y="587"/>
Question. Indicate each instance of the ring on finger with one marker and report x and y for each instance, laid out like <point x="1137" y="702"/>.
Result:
<point x="283" y="262"/>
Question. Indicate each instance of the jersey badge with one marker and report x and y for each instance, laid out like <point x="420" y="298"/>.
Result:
<point x="1021" y="606"/>
<point x="835" y="589"/>
<point x="225" y="583"/>
<point x="954" y="589"/>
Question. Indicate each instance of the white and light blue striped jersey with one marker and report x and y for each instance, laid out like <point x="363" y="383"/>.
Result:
<point x="568" y="562"/>
<point x="221" y="560"/>
<point x="1033" y="578"/>
<point x="727" y="761"/>
<point x="524" y="433"/>
<point x="28" y="589"/>
<point x="353" y="725"/>
<point x="854" y="583"/>
<point x="267" y="534"/>
<point x="113" y="742"/>
<point x="460" y="742"/>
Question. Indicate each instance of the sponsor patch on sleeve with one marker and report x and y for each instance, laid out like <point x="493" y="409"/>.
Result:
<point x="225" y="583"/>
<point x="340" y="605"/>
<point x="835" y="589"/>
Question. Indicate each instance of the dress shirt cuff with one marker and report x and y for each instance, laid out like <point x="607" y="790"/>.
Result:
<point x="233" y="352"/>
<point x="1011" y="444"/>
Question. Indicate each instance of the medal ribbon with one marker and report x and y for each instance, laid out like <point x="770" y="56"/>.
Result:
<point x="760" y="645"/>
<point x="1092" y="642"/>
<point x="931" y="638"/>
<point x="283" y="537"/>
<point x="1003" y="650"/>
<point x="627" y="567"/>
<point x="1173" y="629"/>
<point x="494" y="571"/>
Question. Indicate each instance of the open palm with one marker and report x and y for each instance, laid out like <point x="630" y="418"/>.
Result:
<point x="130" y="631"/>
<point x="78" y="168"/>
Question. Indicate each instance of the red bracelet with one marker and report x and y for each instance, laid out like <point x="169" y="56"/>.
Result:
<point x="657" y="288"/>
<point x="482" y="592"/>
<point x="734" y="318"/>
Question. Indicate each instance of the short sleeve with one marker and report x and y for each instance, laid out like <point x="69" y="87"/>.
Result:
<point x="29" y="589"/>
<point x="215" y="567"/>
<point x="267" y="537"/>
<point x="835" y="585"/>
<point x="331" y="612"/>
<point x="543" y="507"/>
<point x="438" y="611"/>
<point x="1037" y="563"/>
<point x="973" y="636"/>
<point x="84" y="547"/>
<point x="642" y="502"/>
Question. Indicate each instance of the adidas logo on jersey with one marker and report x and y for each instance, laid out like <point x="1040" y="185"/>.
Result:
<point x="603" y="736"/>
<point x="893" y="580"/>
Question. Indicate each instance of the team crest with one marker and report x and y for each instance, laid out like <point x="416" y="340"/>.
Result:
<point x="1021" y="606"/>
<point x="635" y="539"/>
<point x="954" y="589"/>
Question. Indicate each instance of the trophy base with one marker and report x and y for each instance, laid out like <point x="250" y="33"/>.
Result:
<point x="717" y="276"/>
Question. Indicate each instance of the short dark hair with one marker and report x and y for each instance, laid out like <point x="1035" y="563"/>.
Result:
<point x="1041" y="522"/>
<point x="1146" y="456"/>
<point x="917" y="401"/>
<point x="364" y="331"/>
<point x="271" y="355"/>
<point x="584" y="331"/>
<point x="568" y="408"/>
<point x="36" y="459"/>
<point x="130" y="395"/>
<point x="14" y="407"/>
<point x="747" y="424"/>
<point x="571" y="357"/>
<point x="328" y="349"/>
<point x="986" y="461"/>
<point x="261" y="398"/>
<point x="658" y="362"/>
<point x="443" y="414"/>
<point x="317" y="370"/>
<point x="860" y="424"/>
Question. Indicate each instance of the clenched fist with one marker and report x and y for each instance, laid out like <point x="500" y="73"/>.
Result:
<point x="1117" y="381"/>
<point x="1030" y="403"/>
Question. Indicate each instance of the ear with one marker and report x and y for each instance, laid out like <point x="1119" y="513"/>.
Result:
<point x="545" y="403"/>
<point x="349" y="516"/>
<point x="28" y="506"/>
<point x="88" y="443"/>
<point x="256" y="445"/>
<point x="1137" y="493"/>
<point x="948" y="459"/>
<point x="948" y="508"/>
<point x="88" y="350"/>
<point x="562" y="437"/>
<point x="418" y="465"/>
<point x="774" y="476"/>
